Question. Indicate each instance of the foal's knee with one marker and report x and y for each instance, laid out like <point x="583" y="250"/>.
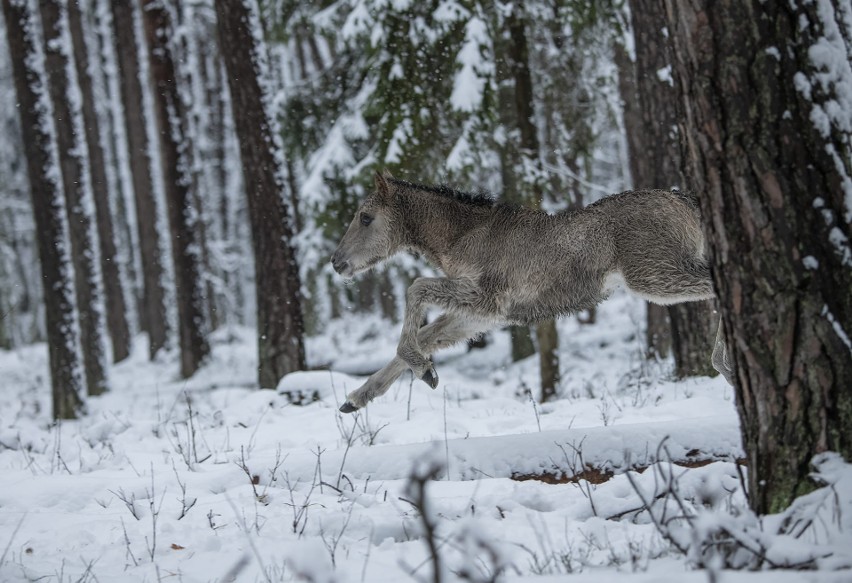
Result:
<point x="416" y="290"/>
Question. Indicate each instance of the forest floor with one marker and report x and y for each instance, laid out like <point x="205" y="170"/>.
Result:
<point x="211" y="480"/>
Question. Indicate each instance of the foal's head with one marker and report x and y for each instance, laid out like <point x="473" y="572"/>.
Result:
<point x="374" y="233"/>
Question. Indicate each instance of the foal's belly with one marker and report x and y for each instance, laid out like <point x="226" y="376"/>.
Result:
<point x="565" y="299"/>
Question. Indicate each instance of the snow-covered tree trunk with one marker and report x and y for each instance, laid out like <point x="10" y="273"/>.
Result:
<point x="192" y="26"/>
<point x="74" y="164"/>
<point x="233" y="249"/>
<point x="116" y="310"/>
<point x="177" y="181"/>
<point x="768" y="146"/>
<point x="689" y="328"/>
<point x="279" y="301"/>
<point x="39" y="138"/>
<point x="153" y="317"/>
<point x="103" y="68"/>
<point x="20" y="288"/>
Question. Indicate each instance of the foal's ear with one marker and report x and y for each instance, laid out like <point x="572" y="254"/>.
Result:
<point x="383" y="186"/>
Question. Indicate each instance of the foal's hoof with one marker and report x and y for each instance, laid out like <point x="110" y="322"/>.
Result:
<point x="348" y="407"/>
<point x="430" y="377"/>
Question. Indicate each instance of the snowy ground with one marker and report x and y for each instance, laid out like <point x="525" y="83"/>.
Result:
<point x="210" y="480"/>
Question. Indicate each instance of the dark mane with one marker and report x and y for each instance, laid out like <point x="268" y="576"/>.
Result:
<point x="480" y="198"/>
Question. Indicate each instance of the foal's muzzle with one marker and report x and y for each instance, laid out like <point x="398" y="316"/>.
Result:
<point x="340" y="265"/>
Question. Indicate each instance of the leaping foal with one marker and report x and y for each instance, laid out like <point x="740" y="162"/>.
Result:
<point x="506" y="264"/>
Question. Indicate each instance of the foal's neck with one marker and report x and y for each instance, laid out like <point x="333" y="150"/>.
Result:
<point x="433" y="223"/>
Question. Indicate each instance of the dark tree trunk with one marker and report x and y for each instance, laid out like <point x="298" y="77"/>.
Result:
<point x="279" y="300"/>
<point x="177" y="182"/>
<point x="658" y="331"/>
<point x="74" y="165"/>
<point x="520" y="336"/>
<point x="66" y="373"/>
<point x="772" y="196"/>
<point x="532" y="192"/>
<point x="687" y="330"/>
<point x="116" y="310"/>
<point x="693" y="328"/>
<point x="152" y="318"/>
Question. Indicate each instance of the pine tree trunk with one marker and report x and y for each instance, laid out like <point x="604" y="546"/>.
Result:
<point x="687" y="330"/>
<point x="152" y="316"/>
<point x="116" y="310"/>
<point x="66" y="373"/>
<point x="769" y="162"/>
<point x="177" y="183"/>
<point x="110" y="110"/>
<point x="522" y="345"/>
<point x="74" y="164"/>
<point x="279" y="300"/>
<point x="531" y="191"/>
<point x="190" y="69"/>
<point x="658" y="331"/>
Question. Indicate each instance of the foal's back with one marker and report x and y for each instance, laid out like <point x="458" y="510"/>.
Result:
<point x="551" y="265"/>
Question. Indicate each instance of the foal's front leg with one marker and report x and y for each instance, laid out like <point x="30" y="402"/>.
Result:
<point x="447" y="330"/>
<point x="453" y="295"/>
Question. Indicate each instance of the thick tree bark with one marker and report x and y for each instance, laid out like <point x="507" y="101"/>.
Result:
<point x="74" y="165"/>
<point x="152" y="316"/>
<point x="518" y="58"/>
<point x="279" y="300"/>
<point x="177" y="182"/>
<point x="770" y="162"/>
<point x="66" y="373"/>
<point x="116" y="310"/>
<point x="688" y="329"/>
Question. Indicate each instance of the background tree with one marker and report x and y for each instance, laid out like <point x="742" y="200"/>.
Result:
<point x="39" y="140"/>
<point x="769" y="150"/>
<point x="115" y="308"/>
<point x="174" y="152"/>
<point x="74" y="165"/>
<point x="21" y="309"/>
<point x="278" y="290"/>
<point x="153" y="317"/>
<point x="650" y="120"/>
<point x="523" y="172"/>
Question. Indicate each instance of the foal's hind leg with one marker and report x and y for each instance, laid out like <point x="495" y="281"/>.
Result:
<point x="720" y="356"/>
<point x="447" y="330"/>
<point x="672" y="282"/>
<point x="675" y="285"/>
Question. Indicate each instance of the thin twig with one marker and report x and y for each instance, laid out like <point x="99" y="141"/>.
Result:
<point x="12" y="538"/>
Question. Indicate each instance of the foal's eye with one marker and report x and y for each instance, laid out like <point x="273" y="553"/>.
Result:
<point x="366" y="219"/>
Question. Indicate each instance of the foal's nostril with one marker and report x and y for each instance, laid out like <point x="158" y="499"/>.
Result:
<point x="339" y="264"/>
